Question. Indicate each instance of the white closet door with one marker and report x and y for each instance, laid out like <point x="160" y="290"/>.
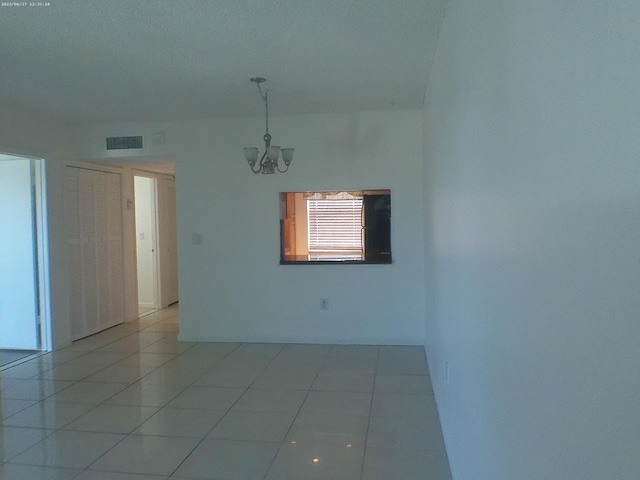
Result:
<point x="94" y="246"/>
<point x="88" y="258"/>
<point x="102" y="257"/>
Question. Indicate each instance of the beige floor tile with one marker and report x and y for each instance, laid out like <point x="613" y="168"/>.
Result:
<point x="31" y="472"/>
<point x="386" y="464"/>
<point x="112" y="419"/>
<point x="181" y="422"/>
<point x="317" y="461"/>
<point x="261" y="400"/>
<point x="144" y="454"/>
<point x="49" y="414"/>
<point x="14" y="440"/>
<point x="229" y="460"/>
<point x="253" y="426"/>
<point x="212" y="398"/>
<point x="337" y="403"/>
<point x="36" y="390"/>
<point x="68" y="449"/>
<point x="344" y="381"/>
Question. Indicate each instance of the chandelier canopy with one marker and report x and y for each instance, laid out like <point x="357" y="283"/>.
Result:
<point x="268" y="164"/>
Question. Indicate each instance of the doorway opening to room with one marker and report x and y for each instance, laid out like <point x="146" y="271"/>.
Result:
<point x="146" y="213"/>
<point x="156" y="241"/>
<point x="24" y="312"/>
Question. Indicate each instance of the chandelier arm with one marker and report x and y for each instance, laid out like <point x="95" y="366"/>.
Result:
<point x="259" y="164"/>
<point x="282" y="171"/>
<point x="263" y="160"/>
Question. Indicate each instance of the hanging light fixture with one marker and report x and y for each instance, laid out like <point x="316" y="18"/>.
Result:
<point x="269" y="161"/>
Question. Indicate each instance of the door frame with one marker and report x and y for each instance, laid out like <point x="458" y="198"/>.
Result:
<point x="156" y="277"/>
<point x="42" y="253"/>
<point x="40" y="242"/>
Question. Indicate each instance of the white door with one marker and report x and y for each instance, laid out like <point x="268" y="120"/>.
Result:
<point x="18" y="280"/>
<point x="94" y="250"/>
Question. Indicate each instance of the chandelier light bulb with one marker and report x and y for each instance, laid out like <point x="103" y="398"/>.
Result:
<point x="287" y="155"/>
<point x="251" y="154"/>
<point x="273" y="153"/>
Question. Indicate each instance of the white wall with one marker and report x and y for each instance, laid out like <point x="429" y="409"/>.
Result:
<point x="32" y="134"/>
<point x="232" y="286"/>
<point x="533" y="243"/>
<point x="168" y="240"/>
<point x="129" y="270"/>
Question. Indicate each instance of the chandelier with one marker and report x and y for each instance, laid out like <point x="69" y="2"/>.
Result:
<point x="269" y="161"/>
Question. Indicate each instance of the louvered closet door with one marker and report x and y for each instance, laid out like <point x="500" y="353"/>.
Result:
<point x="88" y="255"/>
<point x="94" y="245"/>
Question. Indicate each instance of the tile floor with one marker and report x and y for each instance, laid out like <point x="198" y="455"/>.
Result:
<point x="10" y="356"/>
<point x="145" y="311"/>
<point x="133" y="403"/>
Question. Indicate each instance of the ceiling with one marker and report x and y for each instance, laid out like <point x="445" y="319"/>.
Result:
<point x="129" y="60"/>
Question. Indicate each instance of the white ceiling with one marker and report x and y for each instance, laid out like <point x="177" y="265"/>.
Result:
<point x="112" y="60"/>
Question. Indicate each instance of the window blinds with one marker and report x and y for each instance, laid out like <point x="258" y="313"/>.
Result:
<point x="334" y="225"/>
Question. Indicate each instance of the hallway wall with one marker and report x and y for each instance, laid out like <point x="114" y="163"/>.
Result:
<point x="533" y="220"/>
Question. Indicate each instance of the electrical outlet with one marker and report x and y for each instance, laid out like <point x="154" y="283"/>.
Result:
<point x="324" y="304"/>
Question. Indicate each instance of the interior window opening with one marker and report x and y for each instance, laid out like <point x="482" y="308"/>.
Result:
<point x="335" y="226"/>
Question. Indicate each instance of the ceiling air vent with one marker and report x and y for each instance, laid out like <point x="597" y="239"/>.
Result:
<point x="124" y="143"/>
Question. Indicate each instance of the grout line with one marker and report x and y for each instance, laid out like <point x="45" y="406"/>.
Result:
<point x="205" y="437"/>
<point x="284" y="439"/>
<point x="366" y="437"/>
<point x="28" y="357"/>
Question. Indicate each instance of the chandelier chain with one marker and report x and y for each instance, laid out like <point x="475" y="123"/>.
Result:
<point x="265" y="98"/>
<point x="268" y="163"/>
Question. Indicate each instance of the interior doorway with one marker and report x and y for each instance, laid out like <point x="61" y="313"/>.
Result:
<point x="146" y="215"/>
<point x="23" y="264"/>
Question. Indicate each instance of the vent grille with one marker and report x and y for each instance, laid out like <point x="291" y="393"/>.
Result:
<point x="124" y="143"/>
